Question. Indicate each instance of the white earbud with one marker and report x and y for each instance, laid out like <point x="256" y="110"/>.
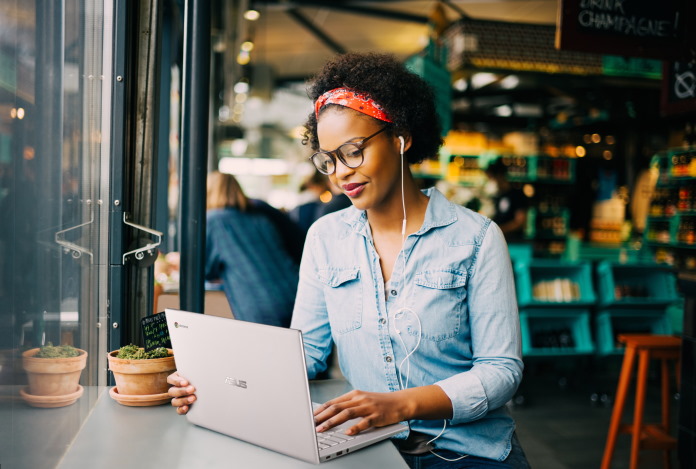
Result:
<point x="402" y="144"/>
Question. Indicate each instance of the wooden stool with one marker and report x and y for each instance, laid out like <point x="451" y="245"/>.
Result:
<point x="644" y="436"/>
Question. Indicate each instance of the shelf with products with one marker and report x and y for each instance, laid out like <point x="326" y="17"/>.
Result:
<point x="459" y="169"/>
<point x="671" y="223"/>
<point x="465" y="170"/>
<point x="636" y="285"/>
<point x="470" y="169"/>
<point x="539" y="168"/>
<point x="555" y="332"/>
<point x="428" y="168"/>
<point x="554" y="283"/>
<point x="550" y="248"/>
<point x="548" y="222"/>
<point x="681" y="163"/>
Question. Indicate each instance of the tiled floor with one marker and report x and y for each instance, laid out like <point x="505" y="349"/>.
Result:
<point x="562" y="423"/>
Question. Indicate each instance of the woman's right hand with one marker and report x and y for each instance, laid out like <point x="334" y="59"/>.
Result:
<point x="182" y="393"/>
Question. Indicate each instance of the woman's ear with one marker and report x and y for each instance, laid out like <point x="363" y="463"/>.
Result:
<point x="403" y="142"/>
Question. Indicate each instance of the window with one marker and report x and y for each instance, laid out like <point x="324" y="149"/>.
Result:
<point x="54" y="206"/>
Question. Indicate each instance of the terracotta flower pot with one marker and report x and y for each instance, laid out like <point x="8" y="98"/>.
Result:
<point x="53" y="376"/>
<point x="141" y="377"/>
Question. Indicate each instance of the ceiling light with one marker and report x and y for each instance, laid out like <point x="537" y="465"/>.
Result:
<point x="241" y="87"/>
<point x="253" y="166"/>
<point x="596" y="138"/>
<point x="460" y="85"/>
<point x="510" y="82"/>
<point x="528" y="190"/>
<point x="223" y="113"/>
<point x="251" y="15"/>
<point x="238" y="147"/>
<point x="481" y="79"/>
<point x="243" y="58"/>
<point x="247" y="46"/>
<point x="527" y="110"/>
<point x="504" y="111"/>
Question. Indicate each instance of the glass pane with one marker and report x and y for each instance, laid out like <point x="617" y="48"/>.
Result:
<point x="53" y="219"/>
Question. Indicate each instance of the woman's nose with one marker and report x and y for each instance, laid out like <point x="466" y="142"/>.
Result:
<point x="342" y="171"/>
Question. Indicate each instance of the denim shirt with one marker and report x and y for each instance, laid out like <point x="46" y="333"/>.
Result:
<point x="447" y="317"/>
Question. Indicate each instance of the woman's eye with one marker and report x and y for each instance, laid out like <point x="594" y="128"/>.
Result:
<point x="351" y="151"/>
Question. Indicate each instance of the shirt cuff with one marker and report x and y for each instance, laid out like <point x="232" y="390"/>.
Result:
<point x="469" y="401"/>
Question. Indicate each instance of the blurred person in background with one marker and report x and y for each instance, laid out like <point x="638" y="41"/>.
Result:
<point x="245" y="249"/>
<point x="314" y="192"/>
<point x="511" y="204"/>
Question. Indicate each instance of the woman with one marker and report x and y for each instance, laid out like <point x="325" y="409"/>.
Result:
<point x="245" y="250"/>
<point x="416" y="293"/>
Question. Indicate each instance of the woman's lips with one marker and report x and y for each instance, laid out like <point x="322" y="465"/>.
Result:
<point x="353" y="190"/>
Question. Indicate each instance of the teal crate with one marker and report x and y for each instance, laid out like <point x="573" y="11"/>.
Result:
<point x="548" y="332"/>
<point x="599" y="252"/>
<point x="520" y="252"/>
<point x="609" y="324"/>
<point x="554" y="283"/>
<point x="639" y="285"/>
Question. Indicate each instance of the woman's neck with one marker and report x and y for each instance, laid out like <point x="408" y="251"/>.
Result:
<point x="389" y="218"/>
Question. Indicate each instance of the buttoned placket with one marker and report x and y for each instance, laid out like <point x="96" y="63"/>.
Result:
<point x="382" y="318"/>
<point x="389" y="303"/>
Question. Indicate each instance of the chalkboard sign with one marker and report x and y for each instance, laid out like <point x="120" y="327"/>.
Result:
<point x="155" y="331"/>
<point x="678" y="88"/>
<point x="635" y="28"/>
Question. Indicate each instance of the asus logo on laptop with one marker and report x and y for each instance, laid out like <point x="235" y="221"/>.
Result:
<point x="236" y="382"/>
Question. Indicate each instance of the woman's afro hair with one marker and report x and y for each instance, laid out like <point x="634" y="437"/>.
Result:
<point x="406" y="98"/>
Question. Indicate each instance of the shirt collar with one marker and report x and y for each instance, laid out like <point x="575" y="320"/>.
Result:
<point x="440" y="212"/>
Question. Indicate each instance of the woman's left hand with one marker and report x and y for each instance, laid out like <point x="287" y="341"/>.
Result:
<point x="376" y="409"/>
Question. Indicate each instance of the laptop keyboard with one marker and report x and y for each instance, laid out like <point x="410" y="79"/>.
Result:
<point x="330" y="438"/>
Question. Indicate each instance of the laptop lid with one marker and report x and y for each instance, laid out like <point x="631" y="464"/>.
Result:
<point x="251" y="383"/>
<point x="250" y="379"/>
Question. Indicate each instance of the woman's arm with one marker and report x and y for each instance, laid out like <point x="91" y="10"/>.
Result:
<point x="310" y="314"/>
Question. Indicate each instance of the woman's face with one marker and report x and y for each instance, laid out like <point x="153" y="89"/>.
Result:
<point x="375" y="183"/>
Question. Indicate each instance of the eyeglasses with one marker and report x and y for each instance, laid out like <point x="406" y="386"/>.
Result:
<point x="349" y="153"/>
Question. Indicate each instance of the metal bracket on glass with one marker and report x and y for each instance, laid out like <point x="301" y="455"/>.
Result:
<point x="139" y="254"/>
<point x="68" y="246"/>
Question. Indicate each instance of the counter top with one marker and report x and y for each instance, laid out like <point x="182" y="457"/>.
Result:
<point x="117" y="436"/>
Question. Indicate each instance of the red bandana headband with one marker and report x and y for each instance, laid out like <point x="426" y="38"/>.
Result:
<point x="355" y="100"/>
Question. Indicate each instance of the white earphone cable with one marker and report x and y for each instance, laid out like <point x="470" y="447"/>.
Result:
<point x="401" y="311"/>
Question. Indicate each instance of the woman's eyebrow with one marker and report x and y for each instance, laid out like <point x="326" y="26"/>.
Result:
<point x="350" y="140"/>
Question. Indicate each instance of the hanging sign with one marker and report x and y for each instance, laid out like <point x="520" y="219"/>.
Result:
<point x="678" y="88"/>
<point x="634" y="28"/>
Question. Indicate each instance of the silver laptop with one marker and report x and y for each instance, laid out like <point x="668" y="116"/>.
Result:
<point x="251" y="383"/>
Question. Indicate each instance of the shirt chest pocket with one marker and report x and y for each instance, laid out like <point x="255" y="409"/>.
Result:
<point x="344" y="298"/>
<point x="441" y="298"/>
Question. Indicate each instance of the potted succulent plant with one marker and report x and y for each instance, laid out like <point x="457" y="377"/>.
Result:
<point x="141" y="377"/>
<point x="53" y="373"/>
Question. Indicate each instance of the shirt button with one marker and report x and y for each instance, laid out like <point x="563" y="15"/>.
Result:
<point x="393" y="292"/>
<point x="388" y="359"/>
<point x="382" y="321"/>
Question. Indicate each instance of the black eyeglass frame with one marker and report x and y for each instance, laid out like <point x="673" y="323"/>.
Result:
<point x="333" y="155"/>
